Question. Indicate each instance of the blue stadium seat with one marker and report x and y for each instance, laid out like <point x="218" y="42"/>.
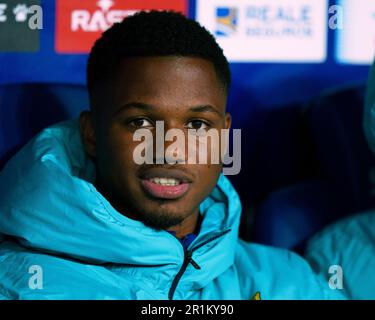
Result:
<point x="336" y="124"/>
<point x="343" y="183"/>
<point x="278" y="157"/>
<point x="25" y="109"/>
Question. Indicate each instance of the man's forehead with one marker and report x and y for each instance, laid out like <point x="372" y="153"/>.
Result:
<point x="172" y="66"/>
<point x="170" y="80"/>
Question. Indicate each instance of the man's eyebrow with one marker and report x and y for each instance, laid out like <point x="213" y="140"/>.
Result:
<point x="205" y="108"/>
<point x="148" y="107"/>
<point x="135" y="105"/>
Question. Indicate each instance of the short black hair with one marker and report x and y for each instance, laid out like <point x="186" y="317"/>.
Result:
<point x="153" y="33"/>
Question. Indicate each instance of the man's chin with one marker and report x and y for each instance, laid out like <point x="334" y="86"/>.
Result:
<point x="162" y="221"/>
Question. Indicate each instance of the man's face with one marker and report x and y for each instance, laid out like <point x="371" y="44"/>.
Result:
<point x="183" y="92"/>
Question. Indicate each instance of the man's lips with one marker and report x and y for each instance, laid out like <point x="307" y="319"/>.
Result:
<point x="165" y="183"/>
<point x="165" y="191"/>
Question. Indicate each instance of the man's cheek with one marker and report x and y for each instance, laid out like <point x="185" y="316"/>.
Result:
<point x="121" y="147"/>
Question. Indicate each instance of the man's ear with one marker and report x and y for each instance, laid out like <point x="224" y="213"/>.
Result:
<point x="228" y="120"/>
<point x="88" y="132"/>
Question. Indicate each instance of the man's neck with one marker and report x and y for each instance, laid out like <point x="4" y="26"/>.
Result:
<point x="190" y="225"/>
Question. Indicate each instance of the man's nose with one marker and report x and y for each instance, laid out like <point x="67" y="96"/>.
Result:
<point x="170" y="144"/>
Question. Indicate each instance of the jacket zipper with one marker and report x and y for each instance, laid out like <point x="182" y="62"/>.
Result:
<point x="188" y="259"/>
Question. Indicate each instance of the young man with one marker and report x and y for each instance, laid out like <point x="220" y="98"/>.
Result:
<point x="82" y="220"/>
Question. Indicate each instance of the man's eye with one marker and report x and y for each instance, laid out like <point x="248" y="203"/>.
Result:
<point x="197" y="124"/>
<point x="140" y="122"/>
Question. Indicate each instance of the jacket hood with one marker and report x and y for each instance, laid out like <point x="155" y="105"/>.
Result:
<point x="48" y="203"/>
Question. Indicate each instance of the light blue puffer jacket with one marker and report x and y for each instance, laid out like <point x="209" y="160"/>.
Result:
<point x="350" y="245"/>
<point x="55" y="225"/>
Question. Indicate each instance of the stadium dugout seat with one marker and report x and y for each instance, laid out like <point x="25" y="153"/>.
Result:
<point x="342" y="182"/>
<point x="25" y="109"/>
